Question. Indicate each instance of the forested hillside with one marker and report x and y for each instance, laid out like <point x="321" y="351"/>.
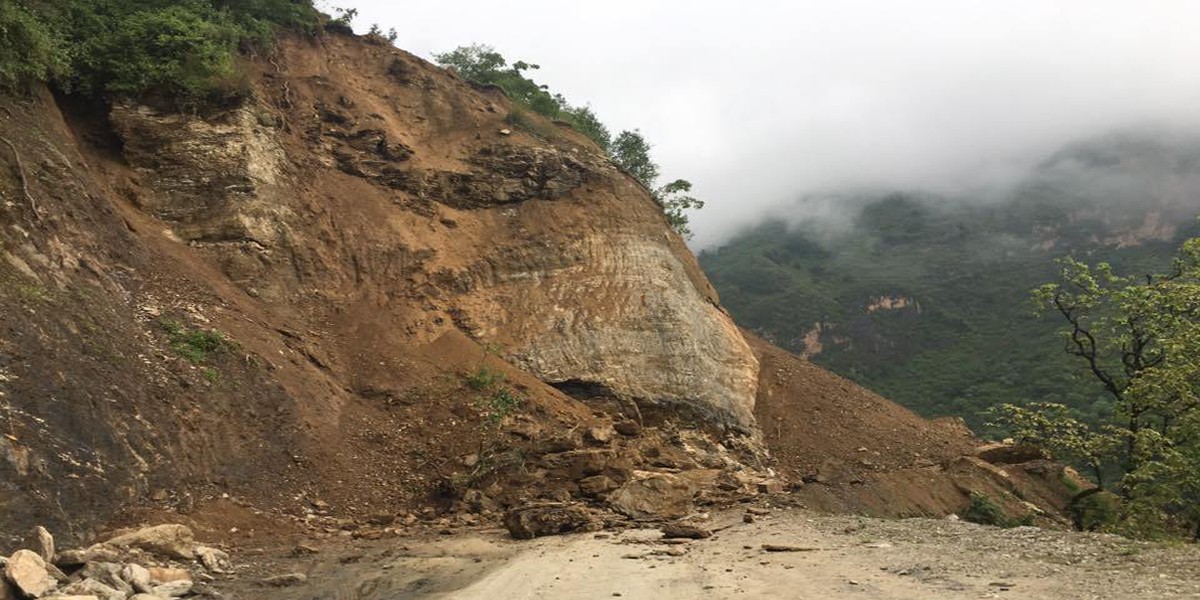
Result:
<point x="925" y="298"/>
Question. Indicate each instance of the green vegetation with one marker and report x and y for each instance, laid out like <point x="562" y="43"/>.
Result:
<point x="984" y="511"/>
<point x="1139" y="338"/>
<point x="194" y="345"/>
<point x="186" y="52"/>
<point x="495" y="401"/>
<point x="483" y="65"/>
<point x="963" y="337"/>
<point x="484" y="378"/>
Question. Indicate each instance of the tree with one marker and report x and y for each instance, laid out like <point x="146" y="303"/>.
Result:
<point x="675" y="200"/>
<point x="631" y="152"/>
<point x="1139" y="337"/>
<point x="629" y="149"/>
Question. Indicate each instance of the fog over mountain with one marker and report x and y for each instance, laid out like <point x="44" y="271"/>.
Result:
<point x="759" y="103"/>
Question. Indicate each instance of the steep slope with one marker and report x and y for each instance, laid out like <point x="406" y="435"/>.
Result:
<point x="359" y="242"/>
<point x="358" y="293"/>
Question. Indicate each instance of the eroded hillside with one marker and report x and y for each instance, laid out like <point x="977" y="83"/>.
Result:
<point x="364" y="293"/>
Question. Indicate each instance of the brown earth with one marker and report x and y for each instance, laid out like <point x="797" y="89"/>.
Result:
<point x="375" y="240"/>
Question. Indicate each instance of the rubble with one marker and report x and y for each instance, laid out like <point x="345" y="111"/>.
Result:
<point x="152" y="563"/>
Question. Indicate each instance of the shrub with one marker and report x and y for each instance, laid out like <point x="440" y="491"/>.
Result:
<point x="498" y="405"/>
<point x="484" y="378"/>
<point x="985" y="512"/>
<point x="194" y="345"/>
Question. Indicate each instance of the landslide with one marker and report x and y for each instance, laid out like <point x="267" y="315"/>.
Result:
<point x="373" y="292"/>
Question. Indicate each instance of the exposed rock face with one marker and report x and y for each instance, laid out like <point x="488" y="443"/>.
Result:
<point x="560" y="258"/>
<point x="646" y="332"/>
<point x="214" y="179"/>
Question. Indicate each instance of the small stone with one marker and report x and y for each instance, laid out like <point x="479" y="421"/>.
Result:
<point x="285" y="580"/>
<point x="787" y="548"/>
<point x="684" y="531"/>
<point x="27" y="571"/>
<point x="747" y="518"/>
<point x="505" y="131"/>
<point x="769" y="487"/>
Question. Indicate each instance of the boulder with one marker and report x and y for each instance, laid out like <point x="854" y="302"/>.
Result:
<point x="548" y="519"/>
<point x="213" y="559"/>
<point x="650" y="495"/>
<point x="91" y="587"/>
<point x="173" y="589"/>
<point x="27" y="572"/>
<point x="45" y="543"/>
<point x="596" y="485"/>
<point x="599" y="435"/>
<point x="174" y="541"/>
<point x="96" y="553"/>
<point x="628" y="428"/>
<point x="105" y="573"/>
<point x="138" y="577"/>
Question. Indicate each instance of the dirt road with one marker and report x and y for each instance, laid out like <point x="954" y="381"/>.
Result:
<point x="827" y="557"/>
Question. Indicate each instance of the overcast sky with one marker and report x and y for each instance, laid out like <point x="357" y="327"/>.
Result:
<point x="759" y="102"/>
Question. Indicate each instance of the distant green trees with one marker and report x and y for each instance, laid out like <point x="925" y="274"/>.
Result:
<point x="629" y="149"/>
<point x="185" y="51"/>
<point x="1139" y="337"/>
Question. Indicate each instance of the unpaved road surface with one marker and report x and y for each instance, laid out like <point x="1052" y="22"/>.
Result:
<point x="830" y="557"/>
